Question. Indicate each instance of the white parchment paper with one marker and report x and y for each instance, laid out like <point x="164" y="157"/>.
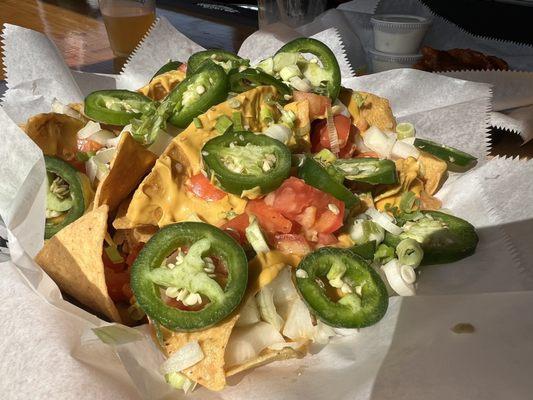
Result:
<point x="48" y="350"/>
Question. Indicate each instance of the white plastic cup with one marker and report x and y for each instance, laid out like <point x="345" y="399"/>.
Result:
<point x="385" y="61"/>
<point x="399" y="34"/>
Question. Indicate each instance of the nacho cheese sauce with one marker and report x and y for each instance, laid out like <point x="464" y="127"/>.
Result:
<point x="163" y="198"/>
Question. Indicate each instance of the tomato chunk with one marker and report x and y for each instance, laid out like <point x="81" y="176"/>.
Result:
<point x="236" y="227"/>
<point x="118" y="285"/>
<point x="317" y="104"/>
<point x="270" y="219"/>
<point x="343" y="126"/>
<point x="203" y="188"/>
<point x="87" y="145"/>
<point x="292" y="243"/>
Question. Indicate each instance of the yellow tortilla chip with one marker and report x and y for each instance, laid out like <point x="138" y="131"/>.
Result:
<point x="266" y="266"/>
<point x="416" y="187"/>
<point x="268" y="356"/>
<point x="407" y="173"/>
<point x="301" y="140"/>
<point x="73" y="259"/>
<point x="55" y="134"/>
<point x="375" y="111"/>
<point x="163" y="198"/>
<point x="161" y="85"/>
<point x="130" y="163"/>
<point x="432" y="170"/>
<point x="428" y="202"/>
<point x="213" y="341"/>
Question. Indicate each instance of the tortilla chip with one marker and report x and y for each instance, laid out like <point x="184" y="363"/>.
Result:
<point x="301" y="140"/>
<point x="268" y="356"/>
<point x="375" y="111"/>
<point x="416" y="187"/>
<point x="428" y="202"/>
<point x="407" y="172"/>
<point x="432" y="170"/>
<point x="210" y="371"/>
<point x="73" y="259"/>
<point x="161" y="85"/>
<point x="163" y="198"/>
<point x="130" y="163"/>
<point x="265" y="267"/>
<point x="55" y="134"/>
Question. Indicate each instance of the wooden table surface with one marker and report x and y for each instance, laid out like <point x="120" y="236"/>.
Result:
<point x="77" y="28"/>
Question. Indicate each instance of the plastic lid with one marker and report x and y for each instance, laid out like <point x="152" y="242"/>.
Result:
<point x="404" y="58"/>
<point x="399" y="21"/>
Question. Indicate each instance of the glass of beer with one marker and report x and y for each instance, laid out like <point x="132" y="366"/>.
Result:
<point x="126" y="22"/>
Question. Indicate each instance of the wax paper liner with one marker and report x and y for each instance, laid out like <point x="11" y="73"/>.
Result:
<point x="356" y="367"/>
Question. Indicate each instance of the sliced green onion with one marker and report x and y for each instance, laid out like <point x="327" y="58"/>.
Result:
<point x="325" y="156"/>
<point x="364" y="230"/>
<point x="223" y="124"/>
<point x="198" y="123"/>
<point x="384" y="253"/>
<point x="409" y="252"/>
<point x="407" y="202"/>
<point x="114" y="255"/>
<point x="237" y="121"/>
<point x="265" y="115"/>
<point x="255" y="238"/>
<point x="405" y="130"/>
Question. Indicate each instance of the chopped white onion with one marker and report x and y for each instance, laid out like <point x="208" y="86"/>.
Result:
<point x="89" y="129"/>
<point x="408" y="273"/>
<point x="61" y="108"/>
<point x="249" y="314"/>
<point x="247" y="342"/>
<point x="360" y="143"/>
<point x="378" y="141"/>
<point x="339" y="108"/>
<point x="384" y="220"/>
<point x="298" y="324"/>
<point x="393" y="273"/>
<point x="103" y="137"/>
<point x="183" y="358"/>
<point x="105" y="156"/>
<point x="279" y="132"/>
<point x="283" y="345"/>
<point x="284" y="292"/>
<point x="302" y="85"/>
<point x="265" y="302"/>
<point x="322" y="333"/>
<point x="404" y="150"/>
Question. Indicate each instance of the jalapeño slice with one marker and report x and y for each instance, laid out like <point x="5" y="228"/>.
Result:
<point x="65" y="201"/>
<point x="169" y="66"/>
<point x="329" y="73"/>
<point x="196" y="93"/>
<point x="226" y="59"/>
<point x="368" y="170"/>
<point x="243" y="160"/>
<point x="364" y="301"/>
<point x="315" y="175"/>
<point x="443" y="237"/>
<point x="115" y="107"/>
<point x="457" y="160"/>
<point x="190" y="273"/>
<point x="251" y="78"/>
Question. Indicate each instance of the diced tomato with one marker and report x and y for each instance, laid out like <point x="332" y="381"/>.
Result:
<point x="87" y="145"/>
<point x="270" y="219"/>
<point x="118" y="285"/>
<point x="307" y="218"/>
<point x="236" y="227"/>
<point x="292" y="197"/>
<point x="203" y="188"/>
<point x="308" y="206"/>
<point x="350" y="148"/>
<point x="326" y="239"/>
<point x="183" y="67"/>
<point x="134" y="252"/>
<point x="292" y="243"/>
<point x="343" y="126"/>
<point x="317" y="104"/>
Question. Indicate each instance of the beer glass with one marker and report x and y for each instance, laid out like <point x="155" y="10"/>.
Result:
<point x="126" y="22"/>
